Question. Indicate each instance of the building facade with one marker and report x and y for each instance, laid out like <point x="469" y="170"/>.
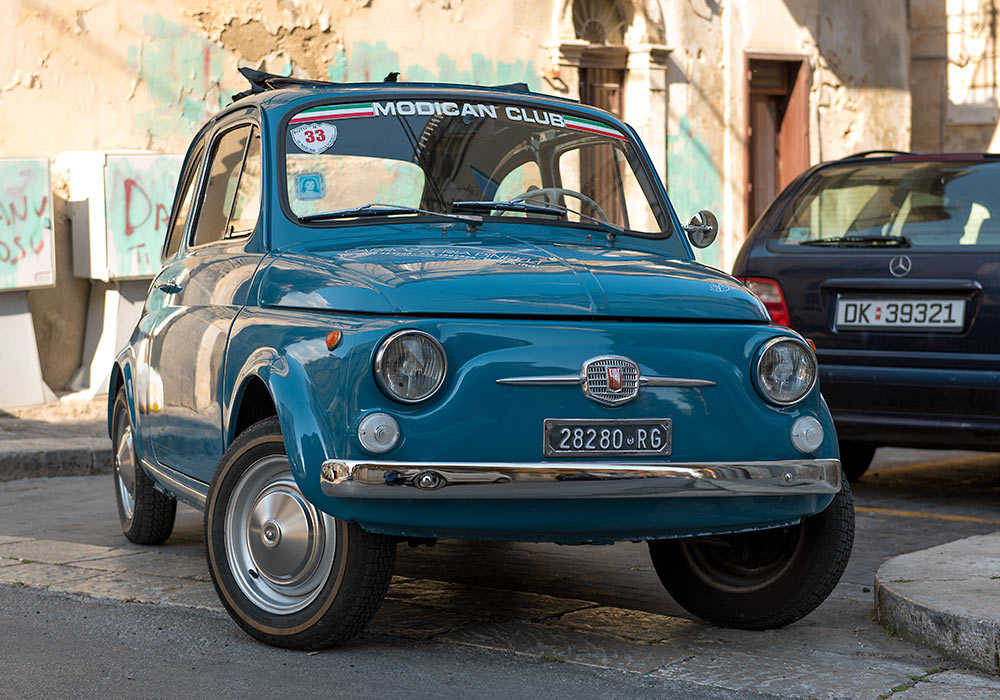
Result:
<point x="733" y="98"/>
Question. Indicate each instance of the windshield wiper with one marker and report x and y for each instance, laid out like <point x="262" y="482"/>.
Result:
<point x="855" y="241"/>
<point x="540" y="206"/>
<point x="379" y="209"/>
<point x="532" y="207"/>
<point x="609" y="227"/>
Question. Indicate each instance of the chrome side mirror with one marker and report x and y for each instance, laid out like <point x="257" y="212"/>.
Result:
<point x="703" y="229"/>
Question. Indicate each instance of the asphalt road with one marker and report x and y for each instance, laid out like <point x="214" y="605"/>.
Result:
<point x="54" y="645"/>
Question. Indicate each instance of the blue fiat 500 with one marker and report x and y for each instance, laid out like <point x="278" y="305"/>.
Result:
<point x="394" y="312"/>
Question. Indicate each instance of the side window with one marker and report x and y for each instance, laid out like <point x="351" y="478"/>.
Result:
<point x="247" y="207"/>
<point x="190" y="180"/>
<point x="224" y="168"/>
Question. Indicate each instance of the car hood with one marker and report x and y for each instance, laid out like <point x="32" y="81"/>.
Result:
<point x="502" y="276"/>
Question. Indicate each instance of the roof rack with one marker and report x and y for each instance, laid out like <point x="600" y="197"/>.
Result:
<point x="262" y="82"/>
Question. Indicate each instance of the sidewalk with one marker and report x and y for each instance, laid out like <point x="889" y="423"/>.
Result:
<point x="946" y="598"/>
<point x="66" y="438"/>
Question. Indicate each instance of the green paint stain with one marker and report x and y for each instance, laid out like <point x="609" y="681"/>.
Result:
<point x="368" y="62"/>
<point x="694" y="183"/>
<point x="179" y="68"/>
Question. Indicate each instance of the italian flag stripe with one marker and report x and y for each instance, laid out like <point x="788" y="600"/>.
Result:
<point x="334" y="112"/>
<point x="593" y="127"/>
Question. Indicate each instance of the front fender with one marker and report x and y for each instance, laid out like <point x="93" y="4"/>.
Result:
<point x="286" y="350"/>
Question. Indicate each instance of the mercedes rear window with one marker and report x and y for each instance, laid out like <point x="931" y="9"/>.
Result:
<point x="934" y="205"/>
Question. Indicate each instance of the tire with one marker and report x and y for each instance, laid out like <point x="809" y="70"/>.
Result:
<point x="146" y="515"/>
<point x="760" y="580"/>
<point x="855" y="458"/>
<point x="287" y="573"/>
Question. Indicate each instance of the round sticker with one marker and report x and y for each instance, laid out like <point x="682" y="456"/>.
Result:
<point x="314" y="137"/>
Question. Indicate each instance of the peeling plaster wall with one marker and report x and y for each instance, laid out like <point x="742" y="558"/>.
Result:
<point x="109" y="74"/>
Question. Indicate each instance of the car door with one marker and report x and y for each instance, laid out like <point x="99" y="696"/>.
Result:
<point x="199" y="294"/>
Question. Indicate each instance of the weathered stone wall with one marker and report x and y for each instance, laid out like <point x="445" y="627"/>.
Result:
<point x="942" y="122"/>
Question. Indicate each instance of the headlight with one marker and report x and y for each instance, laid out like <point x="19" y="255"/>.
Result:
<point x="786" y="370"/>
<point x="410" y="366"/>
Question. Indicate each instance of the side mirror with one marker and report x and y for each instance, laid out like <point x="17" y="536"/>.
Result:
<point x="703" y="229"/>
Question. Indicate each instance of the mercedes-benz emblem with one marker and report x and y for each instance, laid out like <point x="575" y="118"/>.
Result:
<point x="900" y="266"/>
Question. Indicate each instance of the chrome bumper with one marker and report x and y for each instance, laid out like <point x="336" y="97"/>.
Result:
<point x="547" y="480"/>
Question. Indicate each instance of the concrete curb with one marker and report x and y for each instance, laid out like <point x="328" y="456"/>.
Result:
<point x="946" y="598"/>
<point x="29" y="459"/>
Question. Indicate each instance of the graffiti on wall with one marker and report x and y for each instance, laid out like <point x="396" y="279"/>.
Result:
<point x="26" y="251"/>
<point x="139" y="191"/>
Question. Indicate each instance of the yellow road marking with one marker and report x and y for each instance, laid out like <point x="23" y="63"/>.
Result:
<point x="918" y="514"/>
<point x="988" y="459"/>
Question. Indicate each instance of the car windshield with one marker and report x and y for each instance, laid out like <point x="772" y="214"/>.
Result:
<point x="936" y="205"/>
<point x="404" y="158"/>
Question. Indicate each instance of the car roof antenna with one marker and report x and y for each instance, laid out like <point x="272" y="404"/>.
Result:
<point x="392" y="77"/>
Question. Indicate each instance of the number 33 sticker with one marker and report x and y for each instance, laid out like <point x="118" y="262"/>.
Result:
<point x="314" y="137"/>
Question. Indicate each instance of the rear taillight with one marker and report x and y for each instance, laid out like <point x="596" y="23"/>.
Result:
<point x="769" y="292"/>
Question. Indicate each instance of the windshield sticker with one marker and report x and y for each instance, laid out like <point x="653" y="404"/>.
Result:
<point x="314" y="137"/>
<point x="580" y="124"/>
<point x="310" y="186"/>
<point x="333" y="112"/>
<point x="406" y="108"/>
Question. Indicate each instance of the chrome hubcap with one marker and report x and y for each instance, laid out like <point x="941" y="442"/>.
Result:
<point x="125" y="472"/>
<point x="280" y="548"/>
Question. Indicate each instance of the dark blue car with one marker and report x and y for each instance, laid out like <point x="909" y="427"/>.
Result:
<point x="890" y="264"/>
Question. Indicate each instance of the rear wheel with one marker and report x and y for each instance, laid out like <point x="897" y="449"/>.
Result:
<point x="289" y="574"/>
<point x="760" y="580"/>
<point x="855" y="458"/>
<point x="146" y="515"/>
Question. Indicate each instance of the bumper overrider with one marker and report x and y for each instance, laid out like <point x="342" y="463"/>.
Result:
<point x="376" y="479"/>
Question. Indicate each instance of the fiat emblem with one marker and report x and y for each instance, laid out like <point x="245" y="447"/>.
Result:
<point x="610" y="379"/>
<point x="900" y="266"/>
<point x="614" y="379"/>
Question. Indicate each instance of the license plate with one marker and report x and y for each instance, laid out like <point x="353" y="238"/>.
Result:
<point x="891" y="313"/>
<point x="621" y="437"/>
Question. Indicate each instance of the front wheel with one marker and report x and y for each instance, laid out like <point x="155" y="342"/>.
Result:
<point x="760" y="580"/>
<point x="289" y="574"/>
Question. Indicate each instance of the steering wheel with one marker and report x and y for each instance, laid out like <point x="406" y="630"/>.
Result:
<point x="555" y="192"/>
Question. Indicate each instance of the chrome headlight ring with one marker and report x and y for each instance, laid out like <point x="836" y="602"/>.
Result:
<point x="805" y="355"/>
<point x="426" y="357"/>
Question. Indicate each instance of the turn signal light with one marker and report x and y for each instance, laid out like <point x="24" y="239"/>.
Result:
<point x="333" y="339"/>
<point x="769" y="292"/>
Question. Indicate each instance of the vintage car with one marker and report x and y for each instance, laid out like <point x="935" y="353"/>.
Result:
<point x="400" y="312"/>
<point x="888" y="261"/>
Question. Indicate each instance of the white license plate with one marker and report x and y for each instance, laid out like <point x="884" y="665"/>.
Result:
<point x="896" y="313"/>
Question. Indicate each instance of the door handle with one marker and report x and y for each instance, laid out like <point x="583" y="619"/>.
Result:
<point x="169" y="287"/>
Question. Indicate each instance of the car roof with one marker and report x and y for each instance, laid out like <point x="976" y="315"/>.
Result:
<point x="275" y="92"/>
<point x="886" y="156"/>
